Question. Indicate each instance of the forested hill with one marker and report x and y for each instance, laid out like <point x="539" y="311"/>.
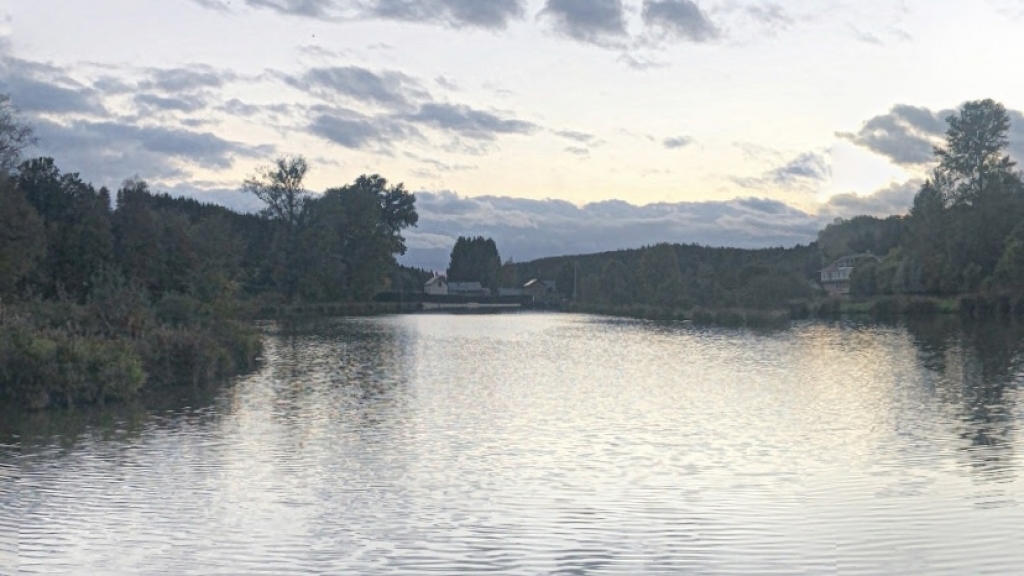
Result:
<point x="684" y="276"/>
<point x="964" y="234"/>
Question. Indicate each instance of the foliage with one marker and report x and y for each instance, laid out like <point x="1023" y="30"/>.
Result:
<point x="961" y="235"/>
<point x="975" y="150"/>
<point x="15" y="136"/>
<point x="105" y="301"/>
<point x="475" y="260"/>
<point x="686" y="277"/>
<point x="22" y="238"/>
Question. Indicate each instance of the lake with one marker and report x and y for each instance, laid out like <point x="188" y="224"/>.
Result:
<point x="538" y="444"/>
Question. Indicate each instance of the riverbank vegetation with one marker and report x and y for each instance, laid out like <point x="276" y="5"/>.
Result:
<point x="105" y="295"/>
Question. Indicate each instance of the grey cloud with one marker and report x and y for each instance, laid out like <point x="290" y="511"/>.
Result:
<point x="578" y="150"/>
<point x="478" y="13"/>
<point x="311" y="8"/>
<point x="896" y="199"/>
<point x="48" y="95"/>
<point x="577" y="136"/>
<point x="469" y="122"/>
<point x="357" y="131"/>
<point x="152" y="102"/>
<point x="677" y="142"/>
<point x="107" y="152"/>
<point x="906" y="135"/>
<point x="808" y="165"/>
<point x="681" y="19"/>
<point x="488" y="14"/>
<point x="388" y="89"/>
<point x="529" y="229"/>
<point x="594" y="21"/>
<point x="805" y="169"/>
<point x="185" y="79"/>
<point x="771" y="14"/>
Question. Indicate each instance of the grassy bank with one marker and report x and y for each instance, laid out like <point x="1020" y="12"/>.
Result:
<point x="113" y="349"/>
<point x="973" y="306"/>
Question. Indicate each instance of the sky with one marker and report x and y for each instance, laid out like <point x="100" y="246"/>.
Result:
<point x="554" y="126"/>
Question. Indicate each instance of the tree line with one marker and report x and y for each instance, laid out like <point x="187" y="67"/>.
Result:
<point x="964" y="233"/>
<point x="103" y="293"/>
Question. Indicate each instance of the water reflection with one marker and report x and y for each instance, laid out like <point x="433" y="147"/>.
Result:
<point x="977" y="368"/>
<point x="545" y="444"/>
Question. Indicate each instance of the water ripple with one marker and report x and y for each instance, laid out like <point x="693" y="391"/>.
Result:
<point x="545" y="444"/>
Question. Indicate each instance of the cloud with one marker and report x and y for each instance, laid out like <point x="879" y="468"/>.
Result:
<point x="772" y="15"/>
<point x="44" y="89"/>
<point x="578" y="150"/>
<point x="807" y="169"/>
<point x="905" y="135"/>
<point x="528" y="229"/>
<point x="808" y="165"/>
<point x="479" y="13"/>
<point x="488" y="14"/>
<point x="896" y="199"/>
<point x="175" y="80"/>
<point x="593" y="21"/>
<point x="677" y="142"/>
<point x="153" y="103"/>
<point x="311" y="8"/>
<point x="679" y="19"/>
<point x="108" y="151"/>
<point x="357" y="131"/>
<point x="392" y="90"/>
<point x="468" y="122"/>
<point x="576" y="136"/>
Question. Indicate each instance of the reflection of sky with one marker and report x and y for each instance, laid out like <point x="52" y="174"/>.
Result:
<point x="532" y="443"/>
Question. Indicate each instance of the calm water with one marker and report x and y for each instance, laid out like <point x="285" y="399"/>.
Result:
<point x="545" y="444"/>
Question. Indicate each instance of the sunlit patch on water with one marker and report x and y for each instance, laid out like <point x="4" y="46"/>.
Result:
<point x="545" y="444"/>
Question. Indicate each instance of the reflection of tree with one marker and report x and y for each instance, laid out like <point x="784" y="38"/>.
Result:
<point x="977" y="363"/>
<point x="337" y="364"/>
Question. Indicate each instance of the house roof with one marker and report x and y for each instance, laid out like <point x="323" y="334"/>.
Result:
<point x="848" y="261"/>
<point x="535" y="282"/>
<point x="436" y="280"/>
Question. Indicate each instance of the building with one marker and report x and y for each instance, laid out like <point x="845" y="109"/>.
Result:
<point x="438" y="285"/>
<point x="540" y="289"/>
<point x="835" y="278"/>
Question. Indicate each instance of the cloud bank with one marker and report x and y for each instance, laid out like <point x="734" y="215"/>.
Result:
<point x="529" y="229"/>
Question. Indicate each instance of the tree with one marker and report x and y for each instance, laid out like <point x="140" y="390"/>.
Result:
<point x="77" y="222"/>
<point x="475" y="260"/>
<point x="351" y="236"/>
<point x="397" y="208"/>
<point x="22" y="239"/>
<point x="15" y="136"/>
<point x="661" y="280"/>
<point x="975" y="149"/>
<point x="280" y="188"/>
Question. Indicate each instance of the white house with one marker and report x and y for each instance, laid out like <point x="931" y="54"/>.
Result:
<point x="835" y="278"/>
<point x="437" y="285"/>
